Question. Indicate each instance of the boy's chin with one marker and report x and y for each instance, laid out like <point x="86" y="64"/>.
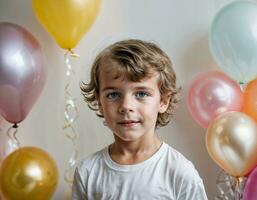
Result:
<point x="127" y="138"/>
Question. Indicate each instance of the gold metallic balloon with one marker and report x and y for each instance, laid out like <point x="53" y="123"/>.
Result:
<point x="66" y="20"/>
<point x="231" y="141"/>
<point x="28" y="173"/>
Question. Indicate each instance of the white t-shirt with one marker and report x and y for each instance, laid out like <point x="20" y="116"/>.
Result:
<point x="165" y="175"/>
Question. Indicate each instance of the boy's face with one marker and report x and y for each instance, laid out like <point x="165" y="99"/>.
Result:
<point x="130" y="109"/>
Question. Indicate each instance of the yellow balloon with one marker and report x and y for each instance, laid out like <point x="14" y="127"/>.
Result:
<point x="28" y="173"/>
<point x="66" y="20"/>
<point x="231" y="141"/>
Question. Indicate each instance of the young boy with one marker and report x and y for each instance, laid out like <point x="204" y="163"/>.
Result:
<point x="133" y="87"/>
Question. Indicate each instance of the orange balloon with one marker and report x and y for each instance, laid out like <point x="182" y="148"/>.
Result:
<point x="250" y="99"/>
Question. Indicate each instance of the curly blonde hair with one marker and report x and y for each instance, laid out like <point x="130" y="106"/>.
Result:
<point x="136" y="60"/>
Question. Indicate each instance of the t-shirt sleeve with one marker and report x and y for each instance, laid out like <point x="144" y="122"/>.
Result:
<point x="79" y="191"/>
<point x="194" y="190"/>
<point x="190" y="185"/>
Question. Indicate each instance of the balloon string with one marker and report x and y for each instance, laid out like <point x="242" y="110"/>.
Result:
<point x="70" y="115"/>
<point x="229" y="187"/>
<point x="11" y="133"/>
<point x="239" y="183"/>
<point x="242" y="86"/>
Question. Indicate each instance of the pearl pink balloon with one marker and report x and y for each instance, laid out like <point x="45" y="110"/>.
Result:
<point x="22" y="72"/>
<point x="212" y="93"/>
<point x="250" y="189"/>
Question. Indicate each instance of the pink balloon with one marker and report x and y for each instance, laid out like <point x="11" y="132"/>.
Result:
<point x="250" y="189"/>
<point x="22" y="72"/>
<point x="212" y="93"/>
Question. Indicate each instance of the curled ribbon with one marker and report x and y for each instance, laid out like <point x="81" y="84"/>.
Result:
<point x="11" y="133"/>
<point x="70" y="115"/>
<point x="229" y="187"/>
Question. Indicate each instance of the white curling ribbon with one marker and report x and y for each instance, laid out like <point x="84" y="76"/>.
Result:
<point x="70" y="115"/>
<point x="229" y="187"/>
<point x="11" y="133"/>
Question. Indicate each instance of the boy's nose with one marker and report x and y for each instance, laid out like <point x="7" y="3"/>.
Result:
<point x="126" y="105"/>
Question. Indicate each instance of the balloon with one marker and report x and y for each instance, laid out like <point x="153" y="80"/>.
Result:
<point x="250" y="189"/>
<point x="250" y="99"/>
<point x="22" y="72"/>
<point x="67" y="20"/>
<point x="231" y="141"/>
<point x="212" y="93"/>
<point x="233" y="40"/>
<point x="28" y="173"/>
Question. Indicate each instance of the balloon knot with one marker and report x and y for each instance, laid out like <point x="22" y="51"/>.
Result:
<point x="72" y="53"/>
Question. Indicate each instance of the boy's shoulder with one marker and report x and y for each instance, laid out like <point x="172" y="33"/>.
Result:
<point x="185" y="176"/>
<point x="181" y="166"/>
<point x="173" y="161"/>
<point x="174" y="155"/>
<point x="91" y="160"/>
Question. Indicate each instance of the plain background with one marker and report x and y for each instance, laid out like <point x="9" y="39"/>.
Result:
<point x="179" y="27"/>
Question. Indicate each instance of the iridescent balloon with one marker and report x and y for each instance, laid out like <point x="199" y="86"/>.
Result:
<point x="233" y="40"/>
<point x="22" y="72"/>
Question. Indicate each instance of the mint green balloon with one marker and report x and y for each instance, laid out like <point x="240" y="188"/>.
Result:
<point x="233" y="40"/>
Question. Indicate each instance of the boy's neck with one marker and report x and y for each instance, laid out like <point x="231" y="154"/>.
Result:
<point x="127" y="153"/>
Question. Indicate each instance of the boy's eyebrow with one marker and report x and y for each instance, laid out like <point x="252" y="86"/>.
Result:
<point x="109" y="88"/>
<point x="135" y="88"/>
<point x="144" y="88"/>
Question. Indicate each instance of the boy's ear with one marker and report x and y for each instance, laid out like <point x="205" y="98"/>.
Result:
<point x="164" y="103"/>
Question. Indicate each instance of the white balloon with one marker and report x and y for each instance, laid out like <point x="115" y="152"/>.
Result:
<point x="233" y="40"/>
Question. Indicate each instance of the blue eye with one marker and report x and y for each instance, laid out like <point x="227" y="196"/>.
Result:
<point x="112" y="95"/>
<point x="141" y="95"/>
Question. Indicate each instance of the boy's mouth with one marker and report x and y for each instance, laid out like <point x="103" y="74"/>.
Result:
<point x="128" y="123"/>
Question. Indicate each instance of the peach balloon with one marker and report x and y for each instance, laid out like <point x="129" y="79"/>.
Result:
<point x="231" y="141"/>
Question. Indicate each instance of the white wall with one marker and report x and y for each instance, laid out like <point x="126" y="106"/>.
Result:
<point x="180" y="27"/>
